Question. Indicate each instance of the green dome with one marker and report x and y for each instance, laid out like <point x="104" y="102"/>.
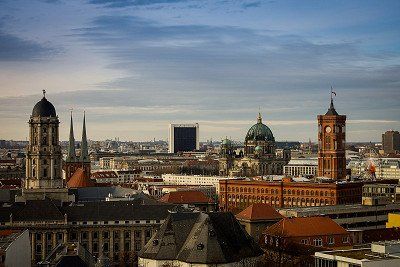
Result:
<point x="226" y="142"/>
<point x="260" y="132"/>
<point x="258" y="148"/>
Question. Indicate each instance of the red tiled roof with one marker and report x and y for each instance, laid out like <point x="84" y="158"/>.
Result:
<point x="305" y="226"/>
<point x="259" y="211"/>
<point x="79" y="179"/>
<point x="7" y="232"/>
<point x="185" y="197"/>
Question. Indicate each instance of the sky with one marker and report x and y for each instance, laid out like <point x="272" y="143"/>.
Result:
<point x="135" y="66"/>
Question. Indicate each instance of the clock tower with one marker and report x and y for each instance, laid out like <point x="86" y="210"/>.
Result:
<point x="332" y="144"/>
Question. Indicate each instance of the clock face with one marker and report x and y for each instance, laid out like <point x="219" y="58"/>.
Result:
<point x="328" y="129"/>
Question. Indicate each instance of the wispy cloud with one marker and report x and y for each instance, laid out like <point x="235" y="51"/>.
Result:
<point x="127" y="3"/>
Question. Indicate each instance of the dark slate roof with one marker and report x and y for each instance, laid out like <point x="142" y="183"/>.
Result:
<point x="100" y="193"/>
<point x="331" y="111"/>
<point x="36" y="210"/>
<point x="42" y="210"/>
<point x="115" y="210"/>
<point x="44" y="108"/>
<point x="201" y="238"/>
<point x="68" y="261"/>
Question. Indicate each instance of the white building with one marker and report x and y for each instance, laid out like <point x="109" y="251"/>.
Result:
<point x="182" y="179"/>
<point x="379" y="254"/>
<point x="301" y="167"/>
<point x="15" y="249"/>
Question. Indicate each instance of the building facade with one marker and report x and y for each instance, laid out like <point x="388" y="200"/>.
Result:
<point x="117" y="230"/>
<point x="258" y="156"/>
<point x="391" y="142"/>
<point x="332" y="144"/>
<point x="240" y="193"/>
<point x="301" y="167"/>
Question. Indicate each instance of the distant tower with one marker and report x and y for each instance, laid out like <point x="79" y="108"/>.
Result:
<point x="43" y="157"/>
<point x="72" y="162"/>
<point x="332" y="144"/>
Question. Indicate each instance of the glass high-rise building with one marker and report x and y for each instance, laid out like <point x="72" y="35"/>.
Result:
<point x="183" y="137"/>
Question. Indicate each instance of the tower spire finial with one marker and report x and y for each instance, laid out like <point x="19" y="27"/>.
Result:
<point x="84" y="144"/>
<point x="71" y="145"/>
<point x="44" y="93"/>
<point x="259" y="118"/>
<point x="331" y="110"/>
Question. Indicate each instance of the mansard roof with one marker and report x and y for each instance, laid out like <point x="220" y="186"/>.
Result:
<point x="50" y="210"/>
<point x="201" y="238"/>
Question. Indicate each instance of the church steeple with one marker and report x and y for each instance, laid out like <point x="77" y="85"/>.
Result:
<point x="71" y="146"/>
<point x="84" y="145"/>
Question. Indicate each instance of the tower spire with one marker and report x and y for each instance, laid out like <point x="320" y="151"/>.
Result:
<point x="84" y="145"/>
<point x="71" y="146"/>
<point x="331" y="110"/>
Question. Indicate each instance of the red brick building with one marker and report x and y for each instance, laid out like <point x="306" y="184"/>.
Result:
<point x="238" y="194"/>
<point x="312" y="231"/>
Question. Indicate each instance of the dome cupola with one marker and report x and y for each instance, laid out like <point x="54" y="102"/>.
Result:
<point x="44" y="108"/>
<point x="259" y="132"/>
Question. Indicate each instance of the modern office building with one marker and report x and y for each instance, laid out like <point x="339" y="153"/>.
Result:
<point x="183" y="137"/>
<point x="391" y="142"/>
<point x="356" y="216"/>
<point x="379" y="254"/>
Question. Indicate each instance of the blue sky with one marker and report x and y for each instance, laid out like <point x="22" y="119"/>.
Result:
<point x="137" y="65"/>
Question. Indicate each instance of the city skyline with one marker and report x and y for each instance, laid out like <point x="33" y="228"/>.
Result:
<point x="136" y="66"/>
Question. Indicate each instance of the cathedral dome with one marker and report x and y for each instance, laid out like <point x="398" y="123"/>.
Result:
<point x="260" y="132"/>
<point x="44" y="108"/>
<point x="226" y="142"/>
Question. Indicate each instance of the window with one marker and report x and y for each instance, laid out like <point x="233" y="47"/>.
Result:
<point x="106" y="235"/>
<point x="95" y="247"/>
<point x="127" y="246"/>
<point x="105" y="247"/>
<point x="345" y="239"/>
<point x="84" y="235"/>
<point x="127" y="234"/>
<point x="331" y="240"/>
<point x="304" y="241"/>
<point x="137" y="234"/>
<point x="317" y="242"/>
<point x="116" y="234"/>
<point x="95" y="235"/>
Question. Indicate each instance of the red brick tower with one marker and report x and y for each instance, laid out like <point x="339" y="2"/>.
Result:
<point x="332" y="144"/>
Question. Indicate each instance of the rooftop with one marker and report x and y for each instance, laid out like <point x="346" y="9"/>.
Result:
<point x="186" y="197"/>
<point x="259" y="212"/>
<point x="305" y="226"/>
<point x="215" y="237"/>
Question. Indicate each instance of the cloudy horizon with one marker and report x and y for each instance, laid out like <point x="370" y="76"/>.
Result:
<point x="135" y="66"/>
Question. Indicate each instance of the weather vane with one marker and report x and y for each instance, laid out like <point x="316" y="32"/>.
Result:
<point x="332" y="93"/>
